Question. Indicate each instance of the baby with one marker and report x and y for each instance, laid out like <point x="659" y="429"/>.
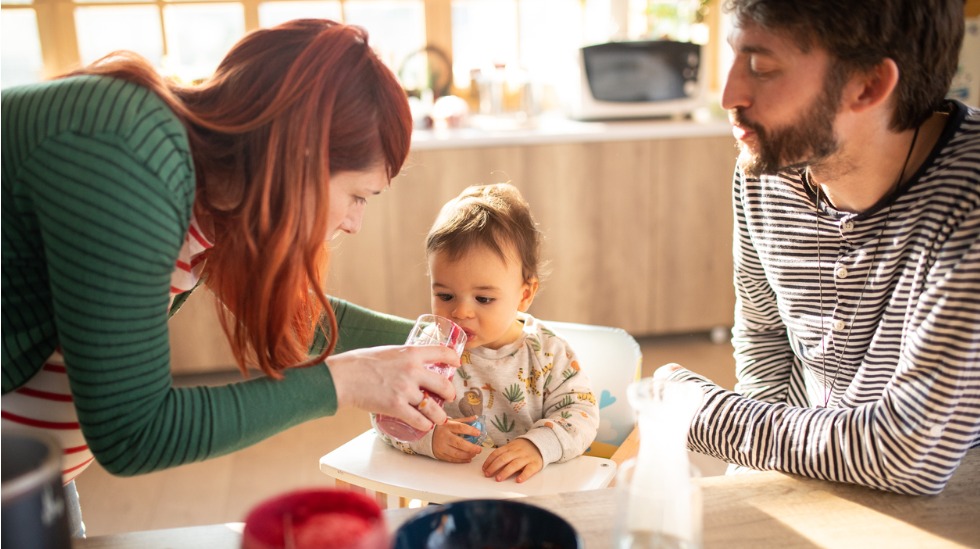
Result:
<point x="519" y="386"/>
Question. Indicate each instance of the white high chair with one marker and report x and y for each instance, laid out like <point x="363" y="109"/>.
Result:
<point x="611" y="358"/>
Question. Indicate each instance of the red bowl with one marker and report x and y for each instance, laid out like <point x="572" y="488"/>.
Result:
<point x="316" y="519"/>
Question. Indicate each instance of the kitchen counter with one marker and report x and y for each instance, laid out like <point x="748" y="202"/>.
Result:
<point x="486" y="131"/>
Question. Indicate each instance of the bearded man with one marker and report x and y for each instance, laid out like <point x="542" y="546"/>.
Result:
<point x="857" y="252"/>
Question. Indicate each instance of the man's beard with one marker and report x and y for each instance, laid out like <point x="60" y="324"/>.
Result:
<point x="807" y="141"/>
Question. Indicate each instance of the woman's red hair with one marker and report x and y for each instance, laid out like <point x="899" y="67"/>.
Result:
<point x="287" y="107"/>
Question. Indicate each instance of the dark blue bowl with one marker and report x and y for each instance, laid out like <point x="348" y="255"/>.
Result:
<point x="486" y="524"/>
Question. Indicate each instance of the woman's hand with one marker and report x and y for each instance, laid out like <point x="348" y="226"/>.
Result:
<point x="449" y="445"/>
<point x="388" y="380"/>
<point x="517" y="455"/>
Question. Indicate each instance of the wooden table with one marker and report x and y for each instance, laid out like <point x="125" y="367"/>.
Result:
<point x="752" y="510"/>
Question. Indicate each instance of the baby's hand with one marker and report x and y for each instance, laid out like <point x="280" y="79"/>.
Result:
<point x="449" y="445"/>
<point x="477" y="424"/>
<point x="517" y="455"/>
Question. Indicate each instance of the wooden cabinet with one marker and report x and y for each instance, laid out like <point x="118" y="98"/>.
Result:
<point x="638" y="234"/>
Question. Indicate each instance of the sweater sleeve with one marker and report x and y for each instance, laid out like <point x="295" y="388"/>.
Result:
<point x="422" y="446"/>
<point x="761" y="348"/>
<point x="569" y="411"/>
<point x="112" y="226"/>
<point x="912" y="437"/>
<point x="359" y="327"/>
<point x="98" y="192"/>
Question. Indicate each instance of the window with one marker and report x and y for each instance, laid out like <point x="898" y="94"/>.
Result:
<point x="273" y="13"/>
<point x="23" y="64"/>
<point x="184" y="38"/>
<point x="416" y="38"/>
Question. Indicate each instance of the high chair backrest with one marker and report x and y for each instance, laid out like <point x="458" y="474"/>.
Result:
<point x="612" y="359"/>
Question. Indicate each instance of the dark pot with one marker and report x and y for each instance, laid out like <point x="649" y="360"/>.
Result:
<point x="34" y="513"/>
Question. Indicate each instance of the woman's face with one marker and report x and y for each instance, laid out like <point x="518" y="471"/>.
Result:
<point x="349" y="192"/>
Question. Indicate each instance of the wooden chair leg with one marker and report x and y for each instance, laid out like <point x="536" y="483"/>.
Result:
<point x="628" y="449"/>
<point x="341" y="485"/>
<point x="380" y="497"/>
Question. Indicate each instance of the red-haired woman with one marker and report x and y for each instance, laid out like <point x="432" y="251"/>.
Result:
<point x="121" y="191"/>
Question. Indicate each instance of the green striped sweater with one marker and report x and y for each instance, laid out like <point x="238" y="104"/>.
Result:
<point x="98" y="185"/>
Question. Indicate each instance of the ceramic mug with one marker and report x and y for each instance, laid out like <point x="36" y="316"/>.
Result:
<point x="316" y="519"/>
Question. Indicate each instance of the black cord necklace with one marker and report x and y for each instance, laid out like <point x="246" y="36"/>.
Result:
<point x="867" y="277"/>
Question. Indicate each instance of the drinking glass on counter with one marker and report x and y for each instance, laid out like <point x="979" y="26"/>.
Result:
<point x="428" y="330"/>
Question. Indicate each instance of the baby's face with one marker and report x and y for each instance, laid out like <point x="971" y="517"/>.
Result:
<point x="482" y="293"/>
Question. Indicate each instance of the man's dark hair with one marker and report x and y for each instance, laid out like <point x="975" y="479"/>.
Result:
<point x="923" y="37"/>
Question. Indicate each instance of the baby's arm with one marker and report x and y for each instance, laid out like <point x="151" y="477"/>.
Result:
<point x="570" y="412"/>
<point x="567" y="426"/>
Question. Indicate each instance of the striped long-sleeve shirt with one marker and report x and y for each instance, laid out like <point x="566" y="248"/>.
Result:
<point x="875" y="383"/>
<point x="97" y="191"/>
<point x="44" y="402"/>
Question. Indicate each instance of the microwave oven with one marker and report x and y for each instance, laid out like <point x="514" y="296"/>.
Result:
<point x="635" y="79"/>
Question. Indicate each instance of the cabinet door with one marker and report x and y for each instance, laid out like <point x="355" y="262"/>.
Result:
<point x="692" y="254"/>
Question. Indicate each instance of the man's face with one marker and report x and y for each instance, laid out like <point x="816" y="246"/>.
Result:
<point x="782" y="102"/>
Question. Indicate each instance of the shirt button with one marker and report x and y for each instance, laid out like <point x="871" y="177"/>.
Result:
<point x="838" y="325"/>
<point x="847" y="226"/>
<point x="842" y="272"/>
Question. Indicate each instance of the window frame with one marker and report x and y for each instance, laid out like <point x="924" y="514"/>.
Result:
<point x="59" y="39"/>
<point x="60" y="51"/>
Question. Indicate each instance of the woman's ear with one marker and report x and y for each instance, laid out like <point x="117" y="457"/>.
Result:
<point x="528" y="291"/>
<point x="873" y="87"/>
